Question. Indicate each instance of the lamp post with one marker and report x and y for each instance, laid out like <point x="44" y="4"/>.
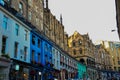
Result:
<point x="113" y="30"/>
<point x="39" y="75"/>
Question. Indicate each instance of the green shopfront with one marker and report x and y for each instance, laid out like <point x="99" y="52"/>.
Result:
<point x="81" y="71"/>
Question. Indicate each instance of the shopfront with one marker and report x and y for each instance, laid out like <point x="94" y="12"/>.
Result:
<point x="19" y="70"/>
<point x="48" y="73"/>
<point x="36" y="74"/>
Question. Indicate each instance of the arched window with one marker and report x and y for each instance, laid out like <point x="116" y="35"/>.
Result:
<point x="82" y="61"/>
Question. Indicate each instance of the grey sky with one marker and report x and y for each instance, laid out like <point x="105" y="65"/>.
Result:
<point x="97" y="17"/>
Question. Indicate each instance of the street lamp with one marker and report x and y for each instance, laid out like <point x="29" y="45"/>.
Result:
<point x="39" y="75"/>
<point x="113" y="30"/>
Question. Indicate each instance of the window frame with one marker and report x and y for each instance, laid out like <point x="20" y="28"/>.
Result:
<point x="4" y="44"/>
<point x="16" y="44"/>
<point x="5" y="22"/>
<point x="17" y="29"/>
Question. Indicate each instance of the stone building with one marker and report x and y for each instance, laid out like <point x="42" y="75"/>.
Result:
<point x="114" y="49"/>
<point x="28" y="10"/>
<point x="54" y="28"/>
<point x="81" y="48"/>
<point x="76" y="48"/>
<point x="102" y="58"/>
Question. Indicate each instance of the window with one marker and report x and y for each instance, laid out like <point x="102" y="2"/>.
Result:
<point x="79" y="42"/>
<point x="30" y="2"/>
<point x="73" y="44"/>
<point x="38" y="57"/>
<point x="46" y="47"/>
<point x="46" y="58"/>
<point x="102" y="55"/>
<point x="33" y="53"/>
<point x="37" y="21"/>
<point x="16" y="29"/>
<point x="25" y="53"/>
<point x="36" y="8"/>
<point x="26" y="35"/>
<point x="51" y="59"/>
<point x="53" y="51"/>
<point x="74" y="52"/>
<point x="4" y="39"/>
<point x="29" y="15"/>
<point x="5" y="22"/>
<point x="50" y="49"/>
<point x="39" y="43"/>
<point x="119" y="69"/>
<point x="21" y="8"/>
<point x="57" y="64"/>
<point x="80" y="51"/>
<point x="15" y="49"/>
<point x="115" y="68"/>
<point x="33" y="39"/>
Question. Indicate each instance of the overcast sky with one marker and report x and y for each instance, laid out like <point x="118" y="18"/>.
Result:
<point x="96" y="17"/>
